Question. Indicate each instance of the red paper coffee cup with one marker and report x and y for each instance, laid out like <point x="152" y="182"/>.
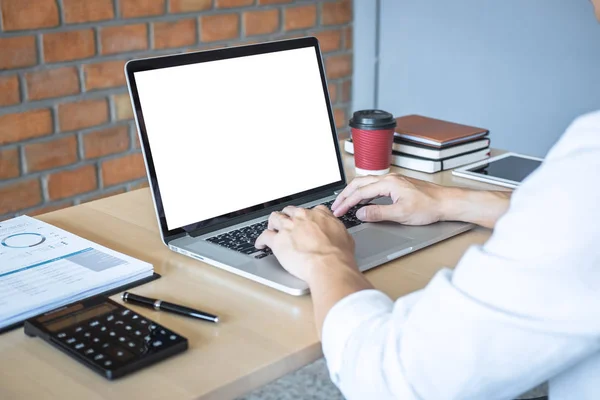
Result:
<point x="373" y="136"/>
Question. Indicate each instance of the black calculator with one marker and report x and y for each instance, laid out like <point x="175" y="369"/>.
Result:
<point x="106" y="336"/>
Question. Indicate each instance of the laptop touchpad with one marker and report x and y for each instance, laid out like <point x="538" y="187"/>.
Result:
<point x="372" y="241"/>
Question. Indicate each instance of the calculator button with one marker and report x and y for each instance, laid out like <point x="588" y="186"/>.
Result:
<point x="105" y="345"/>
<point x="96" y="340"/>
<point x="163" y="332"/>
<point x="110" y="318"/>
<point x="131" y="344"/>
<point x="119" y="322"/>
<point x="135" y="316"/>
<point x="79" y="346"/>
<point x="78" y="329"/>
<point x="94" y="323"/>
<point x="147" y="338"/>
<point x="128" y="327"/>
<point x="99" y="357"/>
<point x="157" y="343"/>
<point x="71" y="340"/>
<point x="125" y="312"/>
<point x="112" y="333"/>
<point x="143" y="322"/>
<point x="87" y="334"/>
<point x="122" y="339"/>
<point x="172" y="337"/>
<point x="137" y="333"/>
<point x="103" y="329"/>
<point x="107" y="363"/>
<point x="152" y="327"/>
<point x="61" y="335"/>
<point x="119" y="354"/>
<point x="89" y="351"/>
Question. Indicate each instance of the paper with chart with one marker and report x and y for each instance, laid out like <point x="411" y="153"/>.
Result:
<point x="43" y="267"/>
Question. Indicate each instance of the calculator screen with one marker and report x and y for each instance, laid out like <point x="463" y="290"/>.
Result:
<point x="76" y="318"/>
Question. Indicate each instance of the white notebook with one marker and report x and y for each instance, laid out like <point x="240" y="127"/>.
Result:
<point x="43" y="267"/>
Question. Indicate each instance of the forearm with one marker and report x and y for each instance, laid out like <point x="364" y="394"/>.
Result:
<point x="330" y="282"/>
<point x="481" y="207"/>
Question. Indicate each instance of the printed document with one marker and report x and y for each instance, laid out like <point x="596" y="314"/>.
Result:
<point x="43" y="267"/>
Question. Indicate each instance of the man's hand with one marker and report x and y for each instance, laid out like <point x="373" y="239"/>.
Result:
<point x="314" y="246"/>
<point x="415" y="202"/>
<point x="305" y="240"/>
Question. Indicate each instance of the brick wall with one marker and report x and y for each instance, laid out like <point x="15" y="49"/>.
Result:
<point x="66" y="130"/>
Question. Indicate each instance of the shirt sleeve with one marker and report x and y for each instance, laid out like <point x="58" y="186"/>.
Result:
<point x="514" y="313"/>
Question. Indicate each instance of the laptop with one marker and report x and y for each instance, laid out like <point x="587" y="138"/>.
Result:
<point x="231" y="135"/>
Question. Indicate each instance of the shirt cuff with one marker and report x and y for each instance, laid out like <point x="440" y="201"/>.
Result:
<point x="343" y="319"/>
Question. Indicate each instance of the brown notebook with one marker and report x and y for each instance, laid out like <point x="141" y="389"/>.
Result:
<point x="435" y="132"/>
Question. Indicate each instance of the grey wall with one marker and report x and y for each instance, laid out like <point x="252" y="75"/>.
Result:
<point x="521" y="68"/>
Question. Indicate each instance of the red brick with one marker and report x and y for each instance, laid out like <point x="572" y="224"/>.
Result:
<point x="348" y="38"/>
<point x="142" y="8"/>
<point x="300" y="17"/>
<point x="9" y="163"/>
<point x="28" y="14"/>
<point x="338" y="12"/>
<point x="118" y="170"/>
<point x="262" y="2"/>
<point x="234" y="3"/>
<point x="181" y="6"/>
<point x="332" y="87"/>
<point x="123" y="106"/>
<point x="103" y="195"/>
<point x="50" y="208"/>
<point x="261" y="22"/>
<point x="339" y="115"/>
<point x="107" y="141"/>
<point x="82" y="114"/>
<point x="72" y="182"/>
<point x="9" y="90"/>
<point x="52" y="83"/>
<point x="117" y="39"/>
<point x="81" y="11"/>
<point x="25" y="125"/>
<point x="17" y="52"/>
<point x="20" y="196"/>
<point x="346" y="91"/>
<point x="67" y="46"/>
<point x="329" y="40"/>
<point x="219" y="27"/>
<point x="338" y="66"/>
<point x="104" y="75"/>
<point x="175" y="34"/>
<point x="51" y="154"/>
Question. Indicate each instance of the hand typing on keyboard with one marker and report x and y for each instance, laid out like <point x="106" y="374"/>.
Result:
<point x="415" y="202"/>
<point x="242" y="240"/>
<point x="304" y="240"/>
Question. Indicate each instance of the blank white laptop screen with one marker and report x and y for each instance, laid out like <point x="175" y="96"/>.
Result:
<point x="230" y="134"/>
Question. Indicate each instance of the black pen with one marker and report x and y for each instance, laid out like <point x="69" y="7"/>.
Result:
<point x="160" y="305"/>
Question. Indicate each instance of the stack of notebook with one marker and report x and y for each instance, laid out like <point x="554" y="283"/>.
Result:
<point x="432" y="145"/>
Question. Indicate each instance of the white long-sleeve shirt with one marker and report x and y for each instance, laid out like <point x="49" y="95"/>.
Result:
<point x="518" y="311"/>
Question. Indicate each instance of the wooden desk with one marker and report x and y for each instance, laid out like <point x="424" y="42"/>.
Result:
<point x="264" y="334"/>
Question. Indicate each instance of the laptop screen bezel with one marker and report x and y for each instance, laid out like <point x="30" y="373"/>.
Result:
<point x="256" y="211"/>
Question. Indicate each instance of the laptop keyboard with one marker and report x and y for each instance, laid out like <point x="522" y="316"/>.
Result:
<point x="243" y="239"/>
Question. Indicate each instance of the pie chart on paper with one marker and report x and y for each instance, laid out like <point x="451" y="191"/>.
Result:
<point x="23" y="240"/>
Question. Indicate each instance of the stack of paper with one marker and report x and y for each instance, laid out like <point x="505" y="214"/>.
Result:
<point x="43" y="267"/>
